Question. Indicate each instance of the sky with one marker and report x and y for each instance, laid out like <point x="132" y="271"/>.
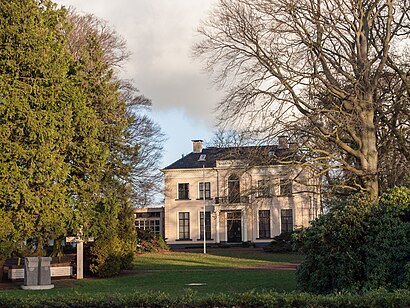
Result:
<point x="159" y="36"/>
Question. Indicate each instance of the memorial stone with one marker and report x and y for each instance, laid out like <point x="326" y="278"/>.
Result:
<point x="31" y="271"/>
<point x="44" y="271"/>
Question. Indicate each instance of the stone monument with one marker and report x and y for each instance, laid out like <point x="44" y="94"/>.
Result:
<point x="44" y="272"/>
<point x="31" y="271"/>
<point x="37" y="274"/>
<point x="80" y="251"/>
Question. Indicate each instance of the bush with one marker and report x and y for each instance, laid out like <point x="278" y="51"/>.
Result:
<point x="380" y="298"/>
<point x="147" y="241"/>
<point x="109" y="256"/>
<point x="358" y="246"/>
<point x="281" y="243"/>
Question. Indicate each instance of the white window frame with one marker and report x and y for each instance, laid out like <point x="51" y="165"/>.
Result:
<point x="189" y="226"/>
<point x="293" y="219"/>
<point x="270" y="223"/>
<point x="199" y="224"/>
<point x="199" y="190"/>
<point x="189" y="190"/>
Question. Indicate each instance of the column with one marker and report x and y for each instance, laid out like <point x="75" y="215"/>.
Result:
<point x="245" y="226"/>
<point x="217" y="237"/>
<point x="80" y="261"/>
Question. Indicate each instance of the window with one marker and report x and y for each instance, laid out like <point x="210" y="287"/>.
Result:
<point x="233" y="189"/>
<point x="183" y="191"/>
<point x="147" y="215"/>
<point x="184" y="226"/>
<point x="264" y="224"/>
<point x="207" y="225"/>
<point x="207" y="190"/>
<point x="286" y="220"/>
<point x="285" y="187"/>
<point x="236" y="215"/>
<point x="154" y="214"/>
<point x="148" y="224"/>
<point x="264" y="189"/>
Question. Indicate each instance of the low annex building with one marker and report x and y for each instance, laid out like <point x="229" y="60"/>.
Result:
<point x="150" y="219"/>
<point x="251" y="194"/>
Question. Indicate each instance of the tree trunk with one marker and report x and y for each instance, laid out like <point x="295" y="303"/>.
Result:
<point x="369" y="154"/>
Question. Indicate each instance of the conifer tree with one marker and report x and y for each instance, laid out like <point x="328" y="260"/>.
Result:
<point x="35" y="119"/>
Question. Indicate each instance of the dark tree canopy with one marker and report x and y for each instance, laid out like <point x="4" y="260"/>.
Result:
<point x="68" y="146"/>
<point x="35" y="117"/>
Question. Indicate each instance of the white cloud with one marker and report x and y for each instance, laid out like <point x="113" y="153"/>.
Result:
<point x="159" y="35"/>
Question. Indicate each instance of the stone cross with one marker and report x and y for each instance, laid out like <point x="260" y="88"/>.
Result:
<point x="80" y="251"/>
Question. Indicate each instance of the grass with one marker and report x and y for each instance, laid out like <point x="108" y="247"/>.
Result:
<point x="259" y="254"/>
<point x="215" y="258"/>
<point x="171" y="272"/>
<point x="173" y="282"/>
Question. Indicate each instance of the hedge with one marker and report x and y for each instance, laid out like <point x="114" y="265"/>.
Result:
<point x="380" y="298"/>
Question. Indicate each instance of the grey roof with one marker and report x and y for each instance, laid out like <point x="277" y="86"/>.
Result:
<point x="256" y="155"/>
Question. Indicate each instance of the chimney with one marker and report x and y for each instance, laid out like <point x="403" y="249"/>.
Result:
<point x="283" y="142"/>
<point x="197" y="146"/>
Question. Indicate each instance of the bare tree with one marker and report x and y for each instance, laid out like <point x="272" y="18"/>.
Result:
<point x="318" y="70"/>
<point x="230" y="138"/>
<point x="146" y="175"/>
<point x="113" y="46"/>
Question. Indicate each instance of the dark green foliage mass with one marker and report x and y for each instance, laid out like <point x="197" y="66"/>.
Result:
<point x="281" y="243"/>
<point x="35" y="118"/>
<point x="193" y="298"/>
<point x="102" y="154"/>
<point x="66" y="156"/>
<point x="147" y="241"/>
<point x="358" y="246"/>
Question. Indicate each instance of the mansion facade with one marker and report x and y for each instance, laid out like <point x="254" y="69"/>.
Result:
<point x="250" y="194"/>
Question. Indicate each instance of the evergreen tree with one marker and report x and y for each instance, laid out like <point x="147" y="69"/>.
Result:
<point x="35" y="119"/>
<point x="67" y="134"/>
<point x="107" y="197"/>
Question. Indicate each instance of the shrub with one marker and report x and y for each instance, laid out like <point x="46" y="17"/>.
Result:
<point x="147" y="241"/>
<point x="379" y="298"/>
<point x="109" y="256"/>
<point x="281" y="243"/>
<point x="357" y="246"/>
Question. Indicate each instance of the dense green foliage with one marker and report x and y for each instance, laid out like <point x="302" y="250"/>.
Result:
<point x="35" y="118"/>
<point x="281" y="243"/>
<point x="101" y="149"/>
<point x="109" y="257"/>
<point x="67" y="146"/>
<point x="358" y="246"/>
<point x="147" y="241"/>
<point x="400" y="298"/>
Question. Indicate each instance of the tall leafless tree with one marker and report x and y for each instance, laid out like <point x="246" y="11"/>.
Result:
<point x="335" y="73"/>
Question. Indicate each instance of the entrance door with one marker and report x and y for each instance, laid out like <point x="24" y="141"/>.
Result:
<point x="234" y="227"/>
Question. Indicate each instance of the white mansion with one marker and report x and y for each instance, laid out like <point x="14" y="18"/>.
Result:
<point x="251" y="194"/>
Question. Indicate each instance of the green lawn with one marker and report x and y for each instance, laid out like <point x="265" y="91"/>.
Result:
<point x="215" y="258"/>
<point x="257" y="254"/>
<point x="171" y="272"/>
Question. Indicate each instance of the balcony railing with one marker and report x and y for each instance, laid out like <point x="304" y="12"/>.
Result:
<point x="232" y="200"/>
